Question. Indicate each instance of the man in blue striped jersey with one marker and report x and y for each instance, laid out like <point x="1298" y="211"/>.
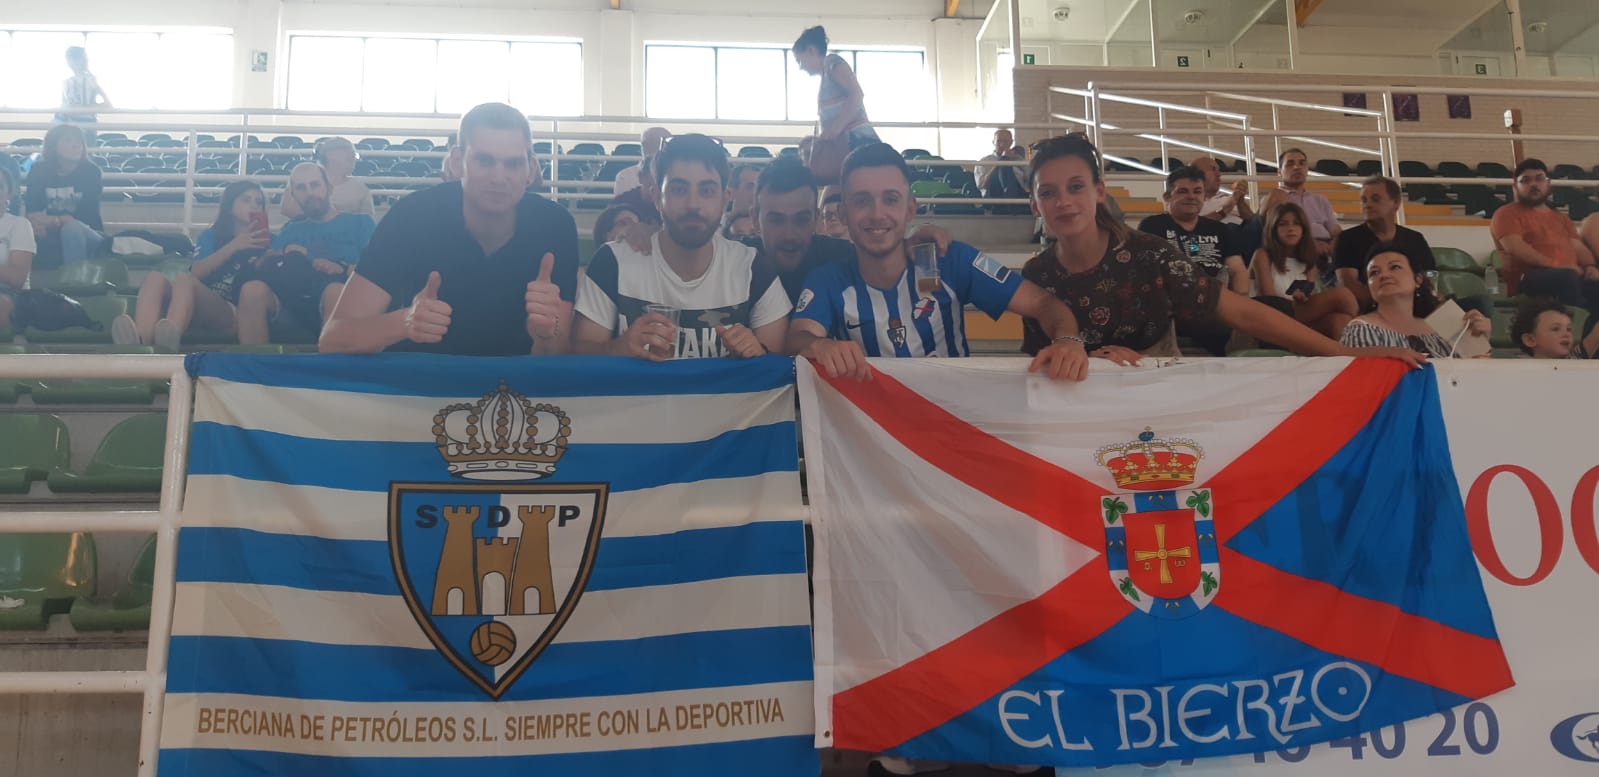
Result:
<point x="870" y="307"/>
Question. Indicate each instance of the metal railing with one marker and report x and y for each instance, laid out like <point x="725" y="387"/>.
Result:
<point x="1386" y="132"/>
<point x="151" y="683"/>
<point x="560" y="133"/>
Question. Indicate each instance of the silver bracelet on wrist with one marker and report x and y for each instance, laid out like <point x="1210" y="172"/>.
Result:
<point x="1071" y="339"/>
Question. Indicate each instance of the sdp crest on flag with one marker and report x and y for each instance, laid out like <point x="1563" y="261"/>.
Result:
<point x="1160" y="541"/>
<point x="493" y="569"/>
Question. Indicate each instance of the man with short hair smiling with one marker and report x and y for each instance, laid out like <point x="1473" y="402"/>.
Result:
<point x="1293" y="170"/>
<point x="726" y="298"/>
<point x="478" y="267"/>
<point x="871" y="306"/>
<point x="1379" y="204"/>
<point x="1544" y="257"/>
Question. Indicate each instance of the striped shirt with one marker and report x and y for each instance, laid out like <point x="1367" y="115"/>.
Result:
<point x="1364" y="334"/>
<point x="895" y="322"/>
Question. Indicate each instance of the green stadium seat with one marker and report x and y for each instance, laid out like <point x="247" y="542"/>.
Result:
<point x="11" y="388"/>
<point x="148" y="261"/>
<point x="91" y="277"/>
<point x="101" y="310"/>
<point x="99" y="391"/>
<point x="1500" y="338"/>
<point x="41" y="575"/>
<point x="926" y="190"/>
<point x="172" y="267"/>
<point x="1460" y="285"/>
<point x="128" y="460"/>
<point x="585" y="250"/>
<point x="36" y="444"/>
<point x="1260" y="352"/>
<point x="129" y="608"/>
<point x="1456" y="260"/>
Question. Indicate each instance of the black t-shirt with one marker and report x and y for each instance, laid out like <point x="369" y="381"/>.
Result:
<point x="76" y="194"/>
<point x="1208" y="245"/>
<point x="823" y="250"/>
<point x="426" y="231"/>
<point x="1353" y="243"/>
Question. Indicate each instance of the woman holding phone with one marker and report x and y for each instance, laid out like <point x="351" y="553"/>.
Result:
<point x="208" y="293"/>
<point x="1286" y="267"/>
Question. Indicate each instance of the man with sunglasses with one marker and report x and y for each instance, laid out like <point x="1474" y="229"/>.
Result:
<point x="1543" y="255"/>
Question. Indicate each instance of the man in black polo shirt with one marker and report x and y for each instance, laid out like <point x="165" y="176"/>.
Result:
<point x="477" y="267"/>
<point x="1379" y="205"/>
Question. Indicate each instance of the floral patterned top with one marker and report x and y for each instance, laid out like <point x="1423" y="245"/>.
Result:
<point x="1130" y="299"/>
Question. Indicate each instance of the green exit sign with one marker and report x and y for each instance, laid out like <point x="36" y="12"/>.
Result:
<point x="1029" y="59"/>
<point x="1182" y="61"/>
<point x="1482" y="69"/>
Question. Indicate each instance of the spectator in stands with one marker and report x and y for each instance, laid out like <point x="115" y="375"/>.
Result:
<point x="725" y="298"/>
<point x="1127" y="289"/>
<point x="1404" y="300"/>
<point x="1287" y="267"/>
<point x="478" y="267"/>
<point x="1229" y="207"/>
<point x="739" y="226"/>
<point x="1544" y="256"/>
<point x="613" y="224"/>
<point x="832" y="214"/>
<point x="1379" y="205"/>
<point x="79" y="91"/>
<point x="1293" y="169"/>
<point x="337" y="157"/>
<point x="643" y="197"/>
<point x="450" y="170"/>
<point x="17" y="248"/>
<point x="9" y="166"/>
<point x="1000" y="181"/>
<point x="630" y="178"/>
<point x="63" y="198"/>
<point x="840" y="103"/>
<point x="1589" y="232"/>
<point x="327" y="243"/>
<point x="1207" y="244"/>
<point x="785" y="218"/>
<point x="743" y="189"/>
<point x="1542" y="330"/>
<point x="208" y="294"/>
<point x="874" y="306"/>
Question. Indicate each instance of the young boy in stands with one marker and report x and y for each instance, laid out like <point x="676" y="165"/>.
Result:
<point x="1542" y="330"/>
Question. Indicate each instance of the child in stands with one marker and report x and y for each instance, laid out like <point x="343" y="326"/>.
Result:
<point x="1287" y="267"/>
<point x="1542" y="329"/>
<point x="208" y="293"/>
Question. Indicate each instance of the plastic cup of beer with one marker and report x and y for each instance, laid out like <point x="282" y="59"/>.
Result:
<point x="924" y="257"/>
<point x="671" y="313"/>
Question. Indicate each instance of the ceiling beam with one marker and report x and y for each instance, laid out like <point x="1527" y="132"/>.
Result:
<point x="1491" y="6"/>
<point x="1558" y="47"/>
<point x="951" y="7"/>
<point x="1304" y="8"/>
<point x="1121" y="20"/>
<point x="1253" y="20"/>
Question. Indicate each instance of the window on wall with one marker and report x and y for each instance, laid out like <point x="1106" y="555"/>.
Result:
<point x="763" y="83"/>
<point x="177" y="69"/>
<point x="427" y="75"/>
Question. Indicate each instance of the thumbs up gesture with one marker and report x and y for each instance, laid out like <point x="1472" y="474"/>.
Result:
<point x="428" y="318"/>
<point x="548" y="315"/>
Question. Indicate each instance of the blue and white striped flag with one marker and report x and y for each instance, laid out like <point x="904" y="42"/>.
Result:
<point x="419" y="565"/>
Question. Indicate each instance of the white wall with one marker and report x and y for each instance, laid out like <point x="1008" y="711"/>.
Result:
<point x="613" y="40"/>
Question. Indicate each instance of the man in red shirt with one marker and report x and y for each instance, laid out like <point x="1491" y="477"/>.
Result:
<point x="1543" y="255"/>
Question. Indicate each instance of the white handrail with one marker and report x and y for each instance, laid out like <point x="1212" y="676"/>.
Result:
<point x="151" y="682"/>
<point x="1297" y="104"/>
<point x="1148" y="103"/>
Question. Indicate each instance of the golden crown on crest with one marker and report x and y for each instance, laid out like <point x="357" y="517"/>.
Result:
<point x="498" y="437"/>
<point x="1148" y="464"/>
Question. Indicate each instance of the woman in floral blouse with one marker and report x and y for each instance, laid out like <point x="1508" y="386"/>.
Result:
<point x="1128" y="288"/>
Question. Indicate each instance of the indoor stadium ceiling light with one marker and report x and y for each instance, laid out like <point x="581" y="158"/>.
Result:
<point x="1194" y="17"/>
